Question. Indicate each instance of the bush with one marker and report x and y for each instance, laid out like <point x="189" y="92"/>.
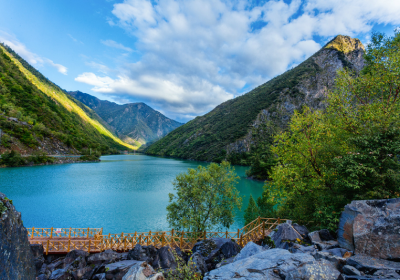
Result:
<point x="12" y="159"/>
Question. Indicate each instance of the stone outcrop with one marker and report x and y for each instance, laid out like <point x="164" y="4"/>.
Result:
<point x="371" y="227"/>
<point x="16" y="258"/>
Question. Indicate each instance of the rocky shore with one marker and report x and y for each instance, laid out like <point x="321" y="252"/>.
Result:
<point x="366" y="246"/>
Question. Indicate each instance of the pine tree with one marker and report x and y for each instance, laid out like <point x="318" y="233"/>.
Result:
<point x="252" y="212"/>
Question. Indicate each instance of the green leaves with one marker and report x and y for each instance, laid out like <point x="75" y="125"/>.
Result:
<point x="350" y="151"/>
<point x="205" y="198"/>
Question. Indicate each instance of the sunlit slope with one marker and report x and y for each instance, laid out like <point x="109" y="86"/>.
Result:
<point x="59" y="96"/>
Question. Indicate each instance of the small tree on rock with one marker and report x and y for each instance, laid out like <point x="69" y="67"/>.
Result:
<point x="205" y="198"/>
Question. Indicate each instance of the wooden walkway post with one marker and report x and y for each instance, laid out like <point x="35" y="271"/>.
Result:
<point x="181" y="241"/>
<point x="238" y="234"/>
<point x="204" y="235"/>
<point x="69" y="235"/>
<point x="148" y="238"/>
<point x="51" y="232"/>
<point x="87" y="236"/>
<point x="226" y="236"/>
<point x="47" y="248"/>
<point x="263" y="230"/>
<point x="89" y="247"/>
<point x="163" y="239"/>
<point x="33" y="230"/>
<point x="69" y="244"/>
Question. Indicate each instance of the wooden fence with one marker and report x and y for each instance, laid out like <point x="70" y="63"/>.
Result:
<point x="92" y="240"/>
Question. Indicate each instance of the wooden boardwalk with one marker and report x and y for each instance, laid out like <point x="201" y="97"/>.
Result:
<point x="92" y="240"/>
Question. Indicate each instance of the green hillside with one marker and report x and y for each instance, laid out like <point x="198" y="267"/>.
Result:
<point x="40" y="109"/>
<point x="208" y="137"/>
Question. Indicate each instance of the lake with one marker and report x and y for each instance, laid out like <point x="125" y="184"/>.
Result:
<point x="122" y="193"/>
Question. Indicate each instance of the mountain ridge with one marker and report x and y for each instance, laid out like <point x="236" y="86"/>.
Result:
<point x="230" y="128"/>
<point x="131" y="122"/>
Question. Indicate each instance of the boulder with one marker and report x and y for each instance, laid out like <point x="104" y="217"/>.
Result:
<point x="337" y="262"/>
<point x="337" y="252"/>
<point x="100" y="276"/>
<point x="370" y="227"/>
<point x="165" y="259"/>
<point x="370" y="265"/>
<point x="285" y="232"/>
<point x="115" y="271"/>
<point x="302" y="230"/>
<point x="249" y="250"/>
<point x="81" y="273"/>
<point x="214" y="250"/>
<point x="314" y="237"/>
<point x="350" y="270"/>
<point x="143" y="253"/>
<point x="16" y="258"/>
<point x="225" y="262"/>
<point x="142" y="271"/>
<point x="198" y="263"/>
<point x="325" y="235"/>
<point x="42" y="277"/>
<point x="108" y="256"/>
<point x="74" y="254"/>
<point x="269" y="264"/>
<point x="387" y="274"/>
<point x="38" y="258"/>
<point x="60" y="274"/>
<point x="319" y="269"/>
<point x="297" y="248"/>
<point x="327" y="245"/>
<point x="57" y="264"/>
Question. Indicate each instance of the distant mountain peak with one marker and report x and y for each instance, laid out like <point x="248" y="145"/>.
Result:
<point x="345" y="44"/>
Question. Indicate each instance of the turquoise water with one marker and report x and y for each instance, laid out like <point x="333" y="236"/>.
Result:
<point x="123" y="193"/>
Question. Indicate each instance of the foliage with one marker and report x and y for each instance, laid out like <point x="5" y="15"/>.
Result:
<point x="183" y="271"/>
<point x="42" y="109"/>
<point x="3" y="208"/>
<point x="252" y="212"/>
<point x="205" y="198"/>
<point x="12" y="159"/>
<point x="40" y="158"/>
<point x="350" y="151"/>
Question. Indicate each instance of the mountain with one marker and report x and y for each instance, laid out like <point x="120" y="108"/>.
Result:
<point x="35" y="114"/>
<point x="133" y="122"/>
<point x="232" y="127"/>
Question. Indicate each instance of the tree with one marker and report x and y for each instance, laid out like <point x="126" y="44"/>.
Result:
<point x="350" y="151"/>
<point x="205" y="198"/>
<point x="252" y="212"/>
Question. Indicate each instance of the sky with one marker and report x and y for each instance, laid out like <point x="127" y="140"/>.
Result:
<point x="181" y="57"/>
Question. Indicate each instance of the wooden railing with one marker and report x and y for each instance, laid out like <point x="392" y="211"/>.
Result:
<point x="65" y="232"/>
<point x="94" y="241"/>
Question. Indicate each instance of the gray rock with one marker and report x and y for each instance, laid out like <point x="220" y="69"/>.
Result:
<point x="350" y="270"/>
<point x="269" y="264"/>
<point x="302" y="230"/>
<point x="214" y="250"/>
<point x="285" y="232"/>
<point x="336" y="251"/>
<point x="314" y="237"/>
<point x="57" y="264"/>
<point x="16" y="258"/>
<point x="337" y="262"/>
<point x="108" y="256"/>
<point x="80" y="273"/>
<point x="100" y="276"/>
<point x="165" y="259"/>
<point x="388" y="274"/>
<point x="60" y="274"/>
<point x="325" y="235"/>
<point x="327" y="245"/>
<point x="38" y="258"/>
<point x="370" y="227"/>
<point x="225" y="262"/>
<point x="369" y="265"/>
<point x="143" y="253"/>
<point x="42" y="277"/>
<point x="297" y="248"/>
<point x="141" y="272"/>
<point x="249" y="250"/>
<point x="198" y="263"/>
<point x="319" y="269"/>
<point x="74" y="254"/>
<point x="115" y="271"/>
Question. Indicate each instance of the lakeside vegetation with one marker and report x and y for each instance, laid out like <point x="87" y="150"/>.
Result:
<point x="350" y="151"/>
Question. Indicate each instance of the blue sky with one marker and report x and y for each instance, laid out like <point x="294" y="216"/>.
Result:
<point x="182" y="58"/>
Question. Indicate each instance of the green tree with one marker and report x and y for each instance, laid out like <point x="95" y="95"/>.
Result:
<point x="205" y="198"/>
<point x="252" y="212"/>
<point x="350" y="150"/>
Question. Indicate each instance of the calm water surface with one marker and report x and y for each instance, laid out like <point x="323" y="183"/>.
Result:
<point x="122" y="193"/>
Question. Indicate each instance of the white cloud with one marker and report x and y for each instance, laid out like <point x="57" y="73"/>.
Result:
<point x="113" y="44"/>
<point x="199" y="53"/>
<point x="29" y="56"/>
<point x="75" y="40"/>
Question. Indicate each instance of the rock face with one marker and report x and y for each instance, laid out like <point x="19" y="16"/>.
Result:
<point x="371" y="227"/>
<point x="285" y="232"/>
<point x="214" y="250"/>
<point x="270" y="264"/>
<point x="16" y="258"/>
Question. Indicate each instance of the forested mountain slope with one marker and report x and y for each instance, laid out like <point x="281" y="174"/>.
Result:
<point x="131" y="122"/>
<point x="35" y="114"/>
<point x="231" y="127"/>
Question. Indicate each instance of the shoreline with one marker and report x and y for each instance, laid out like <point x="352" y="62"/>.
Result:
<point x="59" y="160"/>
